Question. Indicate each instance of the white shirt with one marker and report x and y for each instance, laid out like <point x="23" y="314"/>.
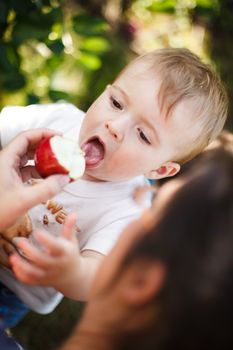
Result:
<point x="103" y="208"/>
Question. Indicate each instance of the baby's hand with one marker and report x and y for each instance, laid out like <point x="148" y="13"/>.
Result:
<point x="21" y="228"/>
<point x="53" y="262"/>
<point x="6" y="248"/>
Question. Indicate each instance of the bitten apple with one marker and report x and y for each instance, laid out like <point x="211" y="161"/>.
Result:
<point x="59" y="155"/>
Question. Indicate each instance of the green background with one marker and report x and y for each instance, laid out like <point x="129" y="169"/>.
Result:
<point x="54" y="50"/>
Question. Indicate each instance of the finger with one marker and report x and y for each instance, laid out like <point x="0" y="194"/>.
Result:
<point x="56" y="246"/>
<point x="25" y="271"/>
<point x="23" y="198"/>
<point x="28" y="172"/>
<point x="23" y="161"/>
<point x="69" y="228"/>
<point x="36" y="135"/>
<point x="28" y="140"/>
<point x="44" y="190"/>
<point x="31" y="252"/>
<point x="29" y="154"/>
<point x="38" y="257"/>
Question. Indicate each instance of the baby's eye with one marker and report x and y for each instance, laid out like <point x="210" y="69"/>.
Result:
<point x="143" y="136"/>
<point x="116" y="104"/>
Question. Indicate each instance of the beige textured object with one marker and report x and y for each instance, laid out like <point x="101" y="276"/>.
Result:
<point x="21" y="228"/>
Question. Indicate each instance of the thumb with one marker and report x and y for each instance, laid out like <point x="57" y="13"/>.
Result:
<point x="19" y="200"/>
<point x="45" y="189"/>
<point x="69" y="228"/>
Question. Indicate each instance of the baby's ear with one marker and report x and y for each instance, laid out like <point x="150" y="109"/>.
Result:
<point x="166" y="170"/>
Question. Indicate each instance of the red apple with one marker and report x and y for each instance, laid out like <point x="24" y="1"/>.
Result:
<point x="59" y="155"/>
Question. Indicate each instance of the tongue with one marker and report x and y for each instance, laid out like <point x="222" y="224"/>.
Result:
<point x="94" y="152"/>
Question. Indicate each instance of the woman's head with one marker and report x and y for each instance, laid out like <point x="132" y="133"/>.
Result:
<point x="193" y="240"/>
<point x="171" y="285"/>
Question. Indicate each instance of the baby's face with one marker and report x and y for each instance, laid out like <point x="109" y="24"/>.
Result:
<point x="124" y="133"/>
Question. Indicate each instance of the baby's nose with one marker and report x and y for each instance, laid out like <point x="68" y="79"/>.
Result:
<point x="114" y="131"/>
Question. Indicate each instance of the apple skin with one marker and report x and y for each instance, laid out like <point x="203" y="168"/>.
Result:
<point x="45" y="160"/>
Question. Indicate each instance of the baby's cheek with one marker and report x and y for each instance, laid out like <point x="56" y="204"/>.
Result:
<point x="129" y="164"/>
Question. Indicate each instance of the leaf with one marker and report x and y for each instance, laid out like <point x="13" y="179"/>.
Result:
<point x="208" y="4"/>
<point x="96" y="45"/>
<point x="4" y="61"/>
<point x="57" y="95"/>
<point x="206" y="7"/>
<point x="25" y="31"/>
<point x="45" y="19"/>
<point x="9" y="58"/>
<point x="89" y="26"/>
<point x="54" y="62"/>
<point x="167" y="6"/>
<point x="90" y="62"/>
<point x="37" y="25"/>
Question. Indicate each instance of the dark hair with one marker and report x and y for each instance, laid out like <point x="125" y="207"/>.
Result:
<point x="194" y="240"/>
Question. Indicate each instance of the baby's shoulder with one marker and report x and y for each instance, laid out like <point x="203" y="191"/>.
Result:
<point x="60" y="110"/>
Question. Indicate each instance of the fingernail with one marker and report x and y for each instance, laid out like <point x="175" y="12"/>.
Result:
<point x="16" y="240"/>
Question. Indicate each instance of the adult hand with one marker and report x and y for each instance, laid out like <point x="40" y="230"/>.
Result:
<point x="16" y="198"/>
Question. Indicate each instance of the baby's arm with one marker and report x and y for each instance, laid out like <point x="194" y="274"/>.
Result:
<point x="59" y="264"/>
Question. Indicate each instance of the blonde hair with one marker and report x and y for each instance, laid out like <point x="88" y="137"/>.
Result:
<point x="185" y="77"/>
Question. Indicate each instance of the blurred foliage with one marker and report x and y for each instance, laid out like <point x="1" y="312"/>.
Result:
<point x="70" y="50"/>
<point x="53" y="50"/>
<point x="221" y="47"/>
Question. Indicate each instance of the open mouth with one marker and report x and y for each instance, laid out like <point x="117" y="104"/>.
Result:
<point x="94" y="151"/>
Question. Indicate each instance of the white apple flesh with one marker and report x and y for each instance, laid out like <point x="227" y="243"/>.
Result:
<point x="59" y="155"/>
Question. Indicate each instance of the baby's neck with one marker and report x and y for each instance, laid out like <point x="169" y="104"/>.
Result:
<point x="91" y="178"/>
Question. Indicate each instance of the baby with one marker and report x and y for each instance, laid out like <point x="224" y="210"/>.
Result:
<point x="161" y="111"/>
